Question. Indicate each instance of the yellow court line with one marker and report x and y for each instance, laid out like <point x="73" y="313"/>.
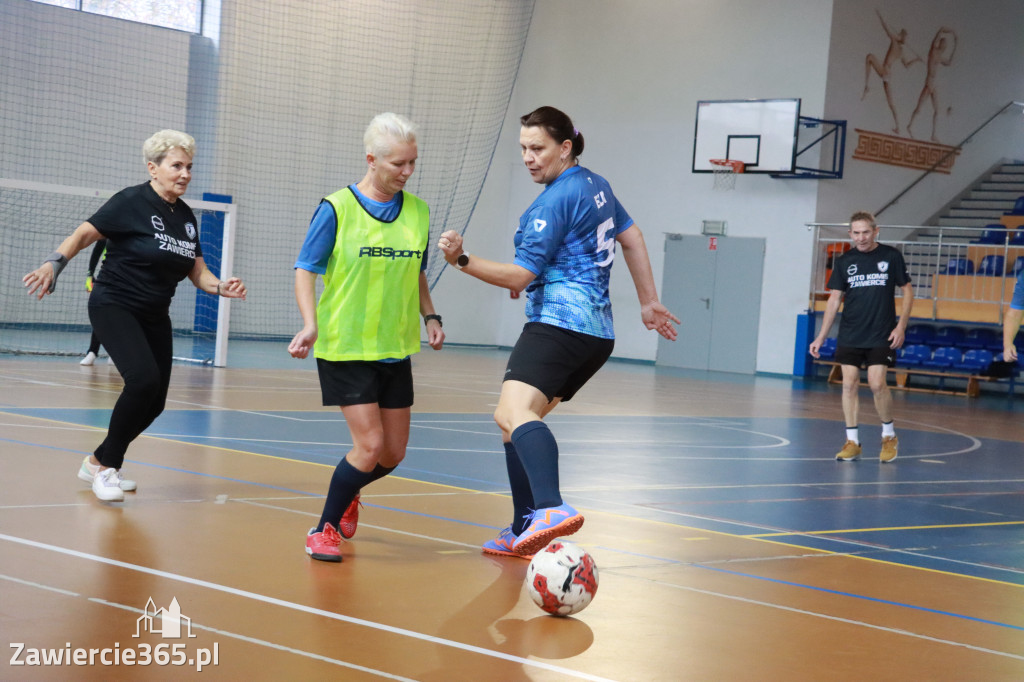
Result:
<point x="766" y="538"/>
<point x="876" y="530"/>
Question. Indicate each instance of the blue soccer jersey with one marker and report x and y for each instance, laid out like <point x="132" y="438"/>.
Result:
<point x="567" y="239"/>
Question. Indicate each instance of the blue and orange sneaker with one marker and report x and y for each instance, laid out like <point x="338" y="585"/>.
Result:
<point x="502" y="545"/>
<point x="544" y="526"/>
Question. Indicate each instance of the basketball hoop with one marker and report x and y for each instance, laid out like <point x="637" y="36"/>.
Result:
<point x="725" y="171"/>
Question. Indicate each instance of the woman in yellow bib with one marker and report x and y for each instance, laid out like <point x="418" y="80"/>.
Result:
<point x="369" y="243"/>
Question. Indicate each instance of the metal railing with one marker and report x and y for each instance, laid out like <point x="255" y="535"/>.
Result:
<point x="946" y="288"/>
<point x="953" y="150"/>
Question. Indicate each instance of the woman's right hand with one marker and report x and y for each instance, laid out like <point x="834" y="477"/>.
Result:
<point x="39" y="280"/>
<point x="302" y="343"/>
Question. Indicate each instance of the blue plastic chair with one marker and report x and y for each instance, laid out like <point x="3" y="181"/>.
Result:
<point x="992" y="265"/>
<point x="943" y="358"/>
<point x="913" y="355"/>
<point x="1018" y="207"/>
<point x="981" y="337"/>
<point x="1018" y="238"/>
<point x="959" y="266"/>
<point x="828" y="349"/>
<point x="974" y="360"/>
<point x="921" y="334"/>
<point x="995" y="233"/>
<point x="949" y="336"/>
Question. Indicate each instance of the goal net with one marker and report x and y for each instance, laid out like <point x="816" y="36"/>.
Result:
<point x="277" y="96"/>
<point x="36" y="219"/>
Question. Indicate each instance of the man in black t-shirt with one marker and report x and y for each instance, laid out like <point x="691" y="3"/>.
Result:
<point x="866" y="278"/>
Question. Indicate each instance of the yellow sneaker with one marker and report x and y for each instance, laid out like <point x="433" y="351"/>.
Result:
<point x="889" y="447"/>
<point x="850" y="452"/>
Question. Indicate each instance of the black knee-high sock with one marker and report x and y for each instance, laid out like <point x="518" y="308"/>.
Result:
<point x="522" y="498"/>
<point x="380" y="472"/>
<point x="538" y="452"/>
<point x="345" y="485"/>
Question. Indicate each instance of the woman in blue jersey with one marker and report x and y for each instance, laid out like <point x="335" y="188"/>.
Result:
<point x="369" y="243"/>
<point x="565" y="246"/>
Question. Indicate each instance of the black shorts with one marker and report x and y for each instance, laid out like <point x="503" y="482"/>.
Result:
<point x="556" y="361"/>
<point x="865" y="357"/>
<point x="358" y="382"/>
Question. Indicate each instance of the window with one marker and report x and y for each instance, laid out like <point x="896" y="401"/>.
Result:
<point x="184" y="15"/>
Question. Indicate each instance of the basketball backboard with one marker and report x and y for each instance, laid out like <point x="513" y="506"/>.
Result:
<point x="762" y="133"/>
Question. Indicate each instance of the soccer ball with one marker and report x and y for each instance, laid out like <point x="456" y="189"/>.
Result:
<point x="562" y="578"/>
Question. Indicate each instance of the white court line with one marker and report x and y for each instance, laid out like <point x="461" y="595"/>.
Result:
<point x="302" y="608"/>
<point x="859" y="623"/>
<point x="265" y="643"/>
<point x="362" y="525"/>
<point x="39" y="585"/>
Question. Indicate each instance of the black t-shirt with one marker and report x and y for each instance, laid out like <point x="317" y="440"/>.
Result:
<point x="869" y="282"/>
<point x="150" y="248"/>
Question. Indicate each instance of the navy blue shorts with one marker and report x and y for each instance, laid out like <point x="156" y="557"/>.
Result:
<point x="556" y="361"/>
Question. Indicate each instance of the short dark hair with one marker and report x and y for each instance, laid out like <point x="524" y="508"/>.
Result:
<point x="557" y="124"/>
<point x="865" y="216"/>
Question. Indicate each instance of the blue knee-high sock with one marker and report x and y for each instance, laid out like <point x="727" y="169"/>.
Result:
<point x="538" y="453"/>
<point x="522" y="498"/>
<point x="345" y="485"/>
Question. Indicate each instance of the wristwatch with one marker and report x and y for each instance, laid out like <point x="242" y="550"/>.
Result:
<point x="462" y="261"/>
<point x="432" y="316"/>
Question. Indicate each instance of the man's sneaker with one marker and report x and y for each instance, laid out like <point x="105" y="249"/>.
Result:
<point x="502" y="545"/>
<point x="544" y="526"/>
<point x="325" y="545"/>
<point x="107" y="486"/>
<point x="87" y="472"/>
<point x="350" y="519"/>
<point x="89" y="358"/>
<point x="850" y="452"/>
<point x="889" y="447"/>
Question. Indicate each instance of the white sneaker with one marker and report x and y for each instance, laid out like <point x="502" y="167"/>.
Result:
<point x="87" y="472"/>
<point x="89" y="358"/>
<point x="107" y="486"/>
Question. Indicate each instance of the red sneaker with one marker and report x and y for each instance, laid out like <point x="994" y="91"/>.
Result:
<point x="325" y="545"/>
<point x="350" y="519"/>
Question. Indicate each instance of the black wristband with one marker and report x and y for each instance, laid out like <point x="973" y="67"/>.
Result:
<point x="432" y="316"/>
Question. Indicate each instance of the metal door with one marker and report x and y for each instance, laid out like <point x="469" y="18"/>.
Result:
<point x="713" y="284"/>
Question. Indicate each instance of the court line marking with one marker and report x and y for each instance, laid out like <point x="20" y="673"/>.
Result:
<point x="302" y="608"/>
<point x="265" y="643"/>
<point x="896" y="631"/>
<point x="40" y="586"/>
<point x="890" y="528"/>
<point x="670" y="512"/>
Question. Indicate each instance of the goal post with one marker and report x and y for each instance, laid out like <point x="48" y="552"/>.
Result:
<point x="36" y="217"/>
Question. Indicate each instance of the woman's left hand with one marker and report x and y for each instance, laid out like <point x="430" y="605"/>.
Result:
<point x="232" y="288"/>
<point x="435" y="335"/>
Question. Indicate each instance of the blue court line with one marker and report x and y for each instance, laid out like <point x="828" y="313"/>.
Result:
<point x="887" y="602"/>
<point x="264" y="485"/>
<point x="818" y="589"/>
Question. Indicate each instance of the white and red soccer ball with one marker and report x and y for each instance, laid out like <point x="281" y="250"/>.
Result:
<point x="562" y="578"/>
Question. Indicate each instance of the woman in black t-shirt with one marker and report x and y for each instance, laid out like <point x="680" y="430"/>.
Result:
<point x="152" y="244"/>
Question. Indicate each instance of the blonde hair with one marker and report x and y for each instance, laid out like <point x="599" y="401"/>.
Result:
<point x="156" y="147"/>
<point x="386" y="128"/>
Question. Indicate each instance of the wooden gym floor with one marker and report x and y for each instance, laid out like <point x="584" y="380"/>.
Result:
<point x="730" y="544"/>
